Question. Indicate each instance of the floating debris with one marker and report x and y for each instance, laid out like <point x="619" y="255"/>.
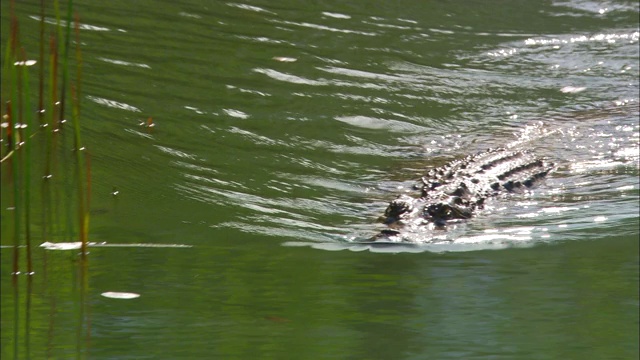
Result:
<point x="284" y="59"/>
<point x="120" y="295"/>
<point x="25" y="63"/>
<point x="148" y="124"/>
<point x="63" y="245"/>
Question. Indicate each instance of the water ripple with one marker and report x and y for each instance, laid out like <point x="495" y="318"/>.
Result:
<point x="323" y="27"/>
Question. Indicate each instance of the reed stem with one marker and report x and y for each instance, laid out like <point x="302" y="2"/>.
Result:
<point x="14" y="141"/>
<point x="27" y="164"/>
<point x="41" y="67"/>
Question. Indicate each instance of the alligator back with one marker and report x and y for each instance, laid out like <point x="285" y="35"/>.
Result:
<point x="454" y="191"/>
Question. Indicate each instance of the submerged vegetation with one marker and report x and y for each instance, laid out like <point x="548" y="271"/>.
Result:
<point x="45" y="169"/>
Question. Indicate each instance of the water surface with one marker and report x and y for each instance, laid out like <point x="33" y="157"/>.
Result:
<point x="282" y="130"/>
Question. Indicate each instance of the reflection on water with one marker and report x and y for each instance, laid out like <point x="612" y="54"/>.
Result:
<point x="279" y="123"/>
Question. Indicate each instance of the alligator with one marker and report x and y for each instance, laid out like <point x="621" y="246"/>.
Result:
<point x="455" y="191"/>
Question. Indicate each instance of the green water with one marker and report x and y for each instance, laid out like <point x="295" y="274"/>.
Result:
<point x="282" y="130"/>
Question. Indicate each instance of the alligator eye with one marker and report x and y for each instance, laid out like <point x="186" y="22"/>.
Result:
<point x="398" y="207"/>
<point x="462" y="190"/>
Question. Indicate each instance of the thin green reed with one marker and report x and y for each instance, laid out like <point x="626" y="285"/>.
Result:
<point x="27" y="163"/>
<point x="41" y="67"/>
<point x="83" y="216"/>
<point x="50" y="109"/>
<point x="56" y="121"/>
<point x="56" y="7"/>
<point x="59" y="117"/>
<point x="7" y="69"/>
<point x="15" y="140"/>
<point x="65" y="63"/>
<point x="43" y="112"/>
<point x="78" y="150"/>
<point x="57" y="149"/>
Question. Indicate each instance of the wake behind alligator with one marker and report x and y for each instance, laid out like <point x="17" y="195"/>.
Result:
<point x="455" y="191"/>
